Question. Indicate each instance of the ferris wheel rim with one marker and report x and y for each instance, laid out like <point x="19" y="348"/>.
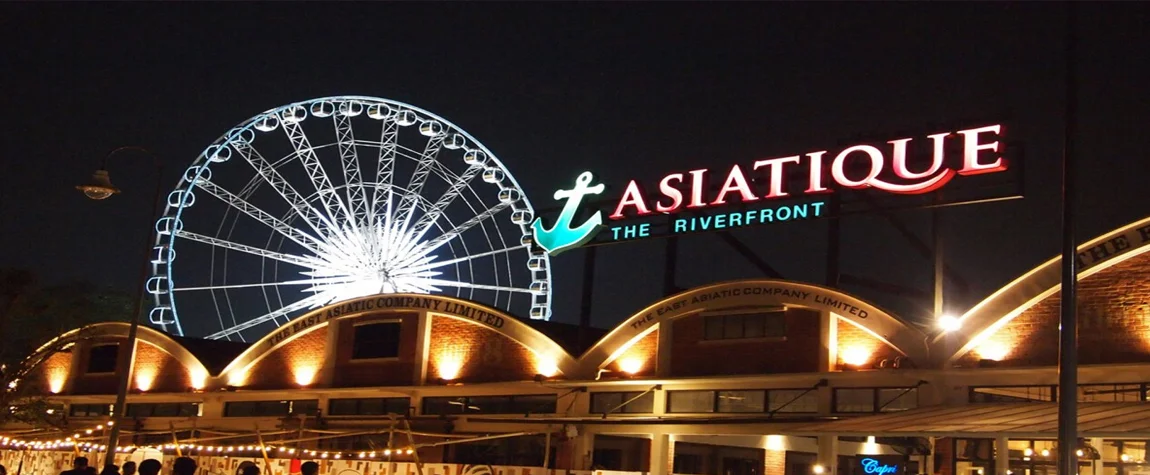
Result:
<point x="203" y="162"/>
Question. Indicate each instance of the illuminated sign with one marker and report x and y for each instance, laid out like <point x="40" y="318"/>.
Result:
<point x="382" y="303"/>
<point x="562" y="236"/>
<point x="881" y="465"/>
<point x="748" y="194"/>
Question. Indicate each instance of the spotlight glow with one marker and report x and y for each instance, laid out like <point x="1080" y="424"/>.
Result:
<point x="449" y="365"/>
<point x="305" y="374"/>
<point x="856" y="356"/>
<point x="145" y="377"/>
<point x="631" y="365"/>
<point x="546" y="367"/>
<point x="994" y="351"/>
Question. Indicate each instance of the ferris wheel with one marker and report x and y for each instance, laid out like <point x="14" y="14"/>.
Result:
<point x="336" y="198"/>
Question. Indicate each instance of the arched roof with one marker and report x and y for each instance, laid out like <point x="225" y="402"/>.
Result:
<point x="758" y="292"/>
<point x="1002" y="306"/>
<point x="145" y="334"/>
<point x="742" y="293"/>
<point x="434" y="304"/>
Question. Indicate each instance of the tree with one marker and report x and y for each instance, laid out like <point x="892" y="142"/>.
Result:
<point x="31" y="316"/>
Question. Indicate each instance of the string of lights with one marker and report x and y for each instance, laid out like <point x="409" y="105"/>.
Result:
<point x="77" y="442"/>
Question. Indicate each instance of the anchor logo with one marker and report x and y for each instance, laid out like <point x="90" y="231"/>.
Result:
<point x="562" y="236"/>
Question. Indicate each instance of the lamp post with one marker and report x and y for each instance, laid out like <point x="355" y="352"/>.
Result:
<point x="99" y="188"/>
<point x="1068" y="318"/>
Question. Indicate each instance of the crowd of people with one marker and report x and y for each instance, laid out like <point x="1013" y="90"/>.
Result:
<point x="182" y="466"/>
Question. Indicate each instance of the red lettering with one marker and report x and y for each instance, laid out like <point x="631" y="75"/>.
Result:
<point x="671" y="192"/>
<point x="697" y="183"/>
<point x="898" y="161"/>
<point x="816" y="183"/>
<point x="898" y="158"/>
<point x="735" y="182"/>
<point x="839" y="174"/>
<point x="932" y="176"/>
<point x="971" y="147"/>
<point x="776" y="184"/>
<point x="631" y="197"/>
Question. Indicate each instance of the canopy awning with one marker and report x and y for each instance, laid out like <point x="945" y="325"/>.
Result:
<point x="1031" y="419"/>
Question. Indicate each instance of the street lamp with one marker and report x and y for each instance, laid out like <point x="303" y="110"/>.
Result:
<point x="100" y="188"/>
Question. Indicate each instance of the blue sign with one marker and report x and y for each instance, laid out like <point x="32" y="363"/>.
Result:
<point x="882" y="465"/>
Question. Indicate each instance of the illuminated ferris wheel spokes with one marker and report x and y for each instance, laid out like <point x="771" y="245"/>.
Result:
<point x="457" y="225"/>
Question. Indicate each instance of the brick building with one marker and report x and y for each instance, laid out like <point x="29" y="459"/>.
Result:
<point x="742" y="377"/>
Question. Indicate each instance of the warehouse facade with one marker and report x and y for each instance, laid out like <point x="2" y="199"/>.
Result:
<point x="742" y="377"/>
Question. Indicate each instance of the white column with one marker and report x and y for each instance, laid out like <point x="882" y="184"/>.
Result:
<point x="327" y="372"/>
<point x="659" y="405"/>
<point x="660" y="454"/>
<point x="663" y="349"/>
<point x="1001" y="455"/>
<point x="829" y="336"/>
<point x="584" y="444"/>
<point x="422" y="348"/>
<point x="829" y="453"/>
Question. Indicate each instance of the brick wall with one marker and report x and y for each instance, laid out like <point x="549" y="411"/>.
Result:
<point x="101" y="383"/>
<point x="1114" y="323"/>
<point x="159" y="371"/>
<point x="295" y="359"/>
<point x="775" y="462"/>
<point x="398" y="371"/>
<point x="476" y="353"/>
<point x="797" y="353"/>
<point x="52" y="373"/>
<point x="943" y="456"/>
<point x="642" y="354"/>
<point x="853" y="338"/>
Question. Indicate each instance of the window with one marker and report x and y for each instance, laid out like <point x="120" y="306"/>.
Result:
<point x="771" y="324"/>
<point x="271" y="408"/>
<point x="375" y="340"/>
<point x="102" y="358"/>
<point x="854" y="400"/>
<point x="897" y="399"/>
<point x="603" y="402"/>
<point x="172" y="409"/>
<point x="793" y="400"/>
<point x="1112" y="392"/>
<point x="369" y="407"/>
<point x="744" y="401"/>
<point x="741" y="401"/>
<point x="523" y="404"/>
<point x="875" y="399"/>
<point x="1013" y="394"/>
<point x="691" y="401"/>
<point x="90" y="410"/>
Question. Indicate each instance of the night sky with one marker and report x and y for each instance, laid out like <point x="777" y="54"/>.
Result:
<point x="630" y="90"/>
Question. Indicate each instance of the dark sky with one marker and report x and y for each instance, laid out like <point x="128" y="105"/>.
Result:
<point x="630" y="90"/>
